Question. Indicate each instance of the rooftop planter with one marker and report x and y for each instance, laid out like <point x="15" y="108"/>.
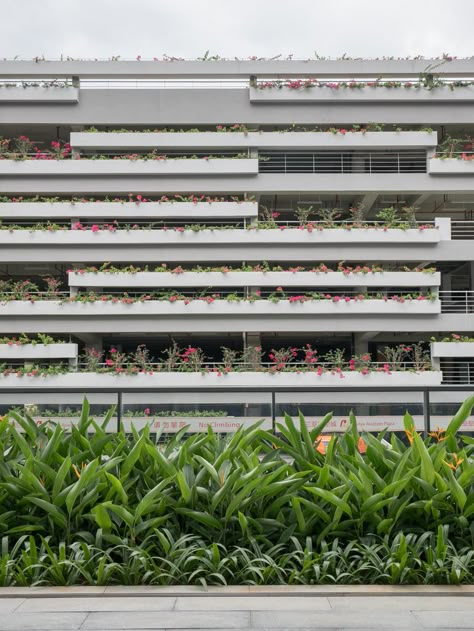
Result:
<point x="243" y="140"/>
<point x="128" y="210"/>
<point x="452" y="349"/>
<point x="219" y="308"/>
<point x="169" y="67"/>
<point x="197" y="380"/>
<point x="450" y="166"/>
<point x="39" y="94"/>
<point x="366" y="94"/>
<point x="178" y="166"/>
<point x="212" y="237"/>
<point x="38" y="351"/>
<point x="257" y="279"/>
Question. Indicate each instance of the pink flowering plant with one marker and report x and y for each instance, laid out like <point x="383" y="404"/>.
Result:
<point x="253" y="358"/>
<point x="425" y="81"/>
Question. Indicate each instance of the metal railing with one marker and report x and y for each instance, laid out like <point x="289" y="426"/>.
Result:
<point x="83" y="366"/>
<point x="343" y="162"/>
<point x="458" y="372"/>
<point x="233" y="222"/>
<point x="232" y="294"/>
<point x="348" y="224"/>
<point x="163" y="84"/>
<point x="457" y="301"/>
<point x="464" y="156"/>
<point x="61" y="225"/>
<point x="148" y="155"/>
<point x="462" y="230"/>
<point x="428" y="404"/>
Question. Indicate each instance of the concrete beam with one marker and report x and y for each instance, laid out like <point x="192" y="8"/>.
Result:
<point x="209" y="106"/>
<point x="236" y="324"/>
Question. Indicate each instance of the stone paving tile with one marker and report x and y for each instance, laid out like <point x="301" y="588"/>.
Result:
<point x="248" y="603"/>
<point x="446" y="619"/>
<point x="155" y="589"/>
<point x="166" y="620"/>
<point x="46" y="621"/>
<point x="402" y="603"/>
<point x="8" y="605"/>
<point x="131" y="603"/>
<point x="335" y="619"/>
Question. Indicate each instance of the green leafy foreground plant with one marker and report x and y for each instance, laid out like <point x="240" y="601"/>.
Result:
<point x="252" y="508"/>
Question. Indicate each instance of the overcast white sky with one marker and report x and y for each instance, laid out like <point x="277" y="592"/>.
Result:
<point x="187" y="28"/>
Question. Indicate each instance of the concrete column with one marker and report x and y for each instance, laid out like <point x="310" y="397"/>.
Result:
<point x="252" y="339"/>
<point x="91" y="340"/>
<point x="253" y="221"/>
<point x="361" y="344"/>
<point x="444" y="227"/>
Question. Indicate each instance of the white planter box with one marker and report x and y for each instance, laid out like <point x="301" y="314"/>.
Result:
<point x="213" y="237"/>
<point x="260" y="139"/>
<point x="367" y="94"/>
<point x="218" y="308"/>
<point x="128" y="210"/>
<point x="218" y="166"/>
<point x="452" y="349"/>
<point x="176" y="381"/>
<point x="254" y="279"/>
<point x="39" y="95"/>
<point x="450" y="166"/>
<point x="38" y="351"/>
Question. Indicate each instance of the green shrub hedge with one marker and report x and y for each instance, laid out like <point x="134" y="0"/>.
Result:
<point x="253" y="507"/>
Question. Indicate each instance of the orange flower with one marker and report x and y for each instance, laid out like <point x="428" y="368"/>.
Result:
<point x="410" y="434"/>
<point x="438" y="434"/>
<point x="456" y="462"/>
<point x="76" y="470"/>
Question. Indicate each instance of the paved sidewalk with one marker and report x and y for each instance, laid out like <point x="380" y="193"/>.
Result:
<point x="236" y="608"/>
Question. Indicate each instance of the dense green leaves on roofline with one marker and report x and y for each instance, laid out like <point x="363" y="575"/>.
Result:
<point x="91" y="507"/>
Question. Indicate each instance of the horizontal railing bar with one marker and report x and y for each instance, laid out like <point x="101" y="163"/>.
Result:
<point x="265" y="293"/>
<point x="406" y="365"/>
<point x="316" y="390"/>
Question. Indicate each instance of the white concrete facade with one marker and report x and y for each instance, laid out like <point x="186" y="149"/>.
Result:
<point x="296" y="148"/>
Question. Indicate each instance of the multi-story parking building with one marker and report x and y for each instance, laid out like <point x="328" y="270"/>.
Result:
<point x="239" y="238"/>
